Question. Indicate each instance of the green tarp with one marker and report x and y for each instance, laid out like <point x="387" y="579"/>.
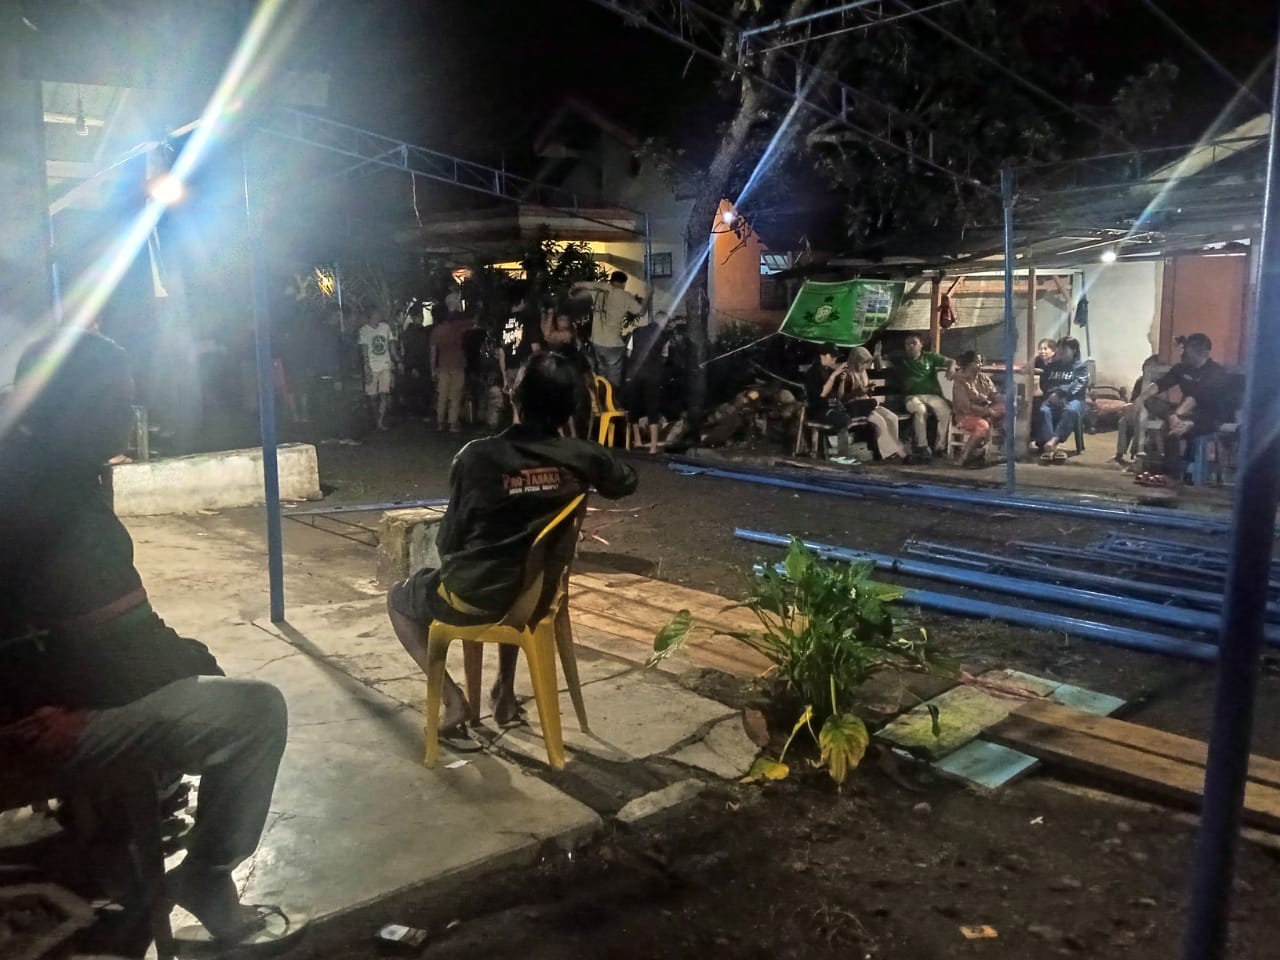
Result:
<point x="845" y="313"/>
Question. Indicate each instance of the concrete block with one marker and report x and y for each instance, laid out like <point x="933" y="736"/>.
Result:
<point x="407" y="542"/>
<point x="632" y="716"/>
<point x="660" y="801"/>
<point x="211" y="481"/>
<point x="726" y="751"/>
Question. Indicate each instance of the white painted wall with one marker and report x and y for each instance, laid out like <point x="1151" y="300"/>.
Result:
<point x="1124" y="318"/>
<point x="211" y="481"/>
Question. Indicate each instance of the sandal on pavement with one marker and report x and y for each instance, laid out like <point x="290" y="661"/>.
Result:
<point x="1046" y="457"/>
<point x="459" y="739"/>
<point x="270" y="932"/>
<point x="1059" y="456"/>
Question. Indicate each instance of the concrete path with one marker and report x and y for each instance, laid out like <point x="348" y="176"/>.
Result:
<point x="355" y="817"/>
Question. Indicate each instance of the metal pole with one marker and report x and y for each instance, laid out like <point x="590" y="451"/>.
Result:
<point x="1252" y="540"/>
<point x="266" y="398"/>
<point x="1010" y="339"/>
<point x="648" y="269"/>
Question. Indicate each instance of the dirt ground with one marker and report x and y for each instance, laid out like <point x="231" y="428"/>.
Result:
<point x="896" y="864"/>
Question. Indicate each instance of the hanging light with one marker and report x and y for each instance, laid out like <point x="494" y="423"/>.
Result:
<point x="82" y="126"/>
<point x="1108" y="256"/>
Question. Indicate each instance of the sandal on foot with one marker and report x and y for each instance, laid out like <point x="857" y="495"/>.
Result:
<point x="1059" y="456"/>
<point x="1046" y="457"/>
<point x="458" y="738"/>
<point x="271" y="931"/>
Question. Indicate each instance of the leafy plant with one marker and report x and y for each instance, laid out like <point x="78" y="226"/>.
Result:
<point x="827" y="628"/>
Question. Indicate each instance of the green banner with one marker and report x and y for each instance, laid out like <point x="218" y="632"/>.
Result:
<point x="846" y="313"/>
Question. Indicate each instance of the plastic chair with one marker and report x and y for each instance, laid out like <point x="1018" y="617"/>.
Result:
<point x="609" y="415"/>
<point x="536" y="624"/>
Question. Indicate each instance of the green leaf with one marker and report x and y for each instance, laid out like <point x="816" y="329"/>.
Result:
<point x="843" y="741"/>
<point x="805" y="719"/>
<point x="766" y="769"/>
<point x="671" y="637"/>
<point x="935" y="718"/>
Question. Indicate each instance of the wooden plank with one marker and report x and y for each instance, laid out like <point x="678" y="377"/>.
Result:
<point x="670" y="597"/>
<point x="1262" y="770"/>
<point x="636" y="645"/>
<point x="1173" y="780"/>
<point x="647" y="614"/>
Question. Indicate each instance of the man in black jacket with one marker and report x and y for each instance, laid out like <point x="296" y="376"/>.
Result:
<point x="503" y="490"/>
<point x="92" y="682"/>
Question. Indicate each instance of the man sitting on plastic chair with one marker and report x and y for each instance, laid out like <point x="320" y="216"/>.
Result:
<point x="503" y="491"/>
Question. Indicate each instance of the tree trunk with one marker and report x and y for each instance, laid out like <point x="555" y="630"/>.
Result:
<point x="714" y="188"/>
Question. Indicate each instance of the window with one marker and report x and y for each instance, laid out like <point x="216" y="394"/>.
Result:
<point x="659" y="265"/>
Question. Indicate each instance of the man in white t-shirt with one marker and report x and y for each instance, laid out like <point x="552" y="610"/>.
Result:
<point x="379" y="349"/>
<point x="608" y="340"/>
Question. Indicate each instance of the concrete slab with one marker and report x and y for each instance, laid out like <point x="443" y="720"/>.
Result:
<point x="356" y="637"/>
<point x="633" y="716"/>
<point x="963" y="713"/>
<point x="726" y="750"/>
<point x="355" y="816"/>
<point x="660" y="801"/>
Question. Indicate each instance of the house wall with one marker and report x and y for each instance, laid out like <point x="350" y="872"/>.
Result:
<point x="734" y="276"/>
<point x="1124" y="318"/>
<point x="612" y="174"/>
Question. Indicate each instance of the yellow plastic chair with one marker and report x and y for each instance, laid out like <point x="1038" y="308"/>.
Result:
<point x="538" y="628"/>
<point x="609" y="415"/>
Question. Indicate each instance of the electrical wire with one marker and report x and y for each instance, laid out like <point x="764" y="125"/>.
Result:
<point x="862" y="26"/>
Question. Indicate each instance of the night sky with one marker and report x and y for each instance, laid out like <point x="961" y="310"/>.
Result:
<point x="476" y="76"/>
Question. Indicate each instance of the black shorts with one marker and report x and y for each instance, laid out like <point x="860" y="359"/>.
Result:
<point x="644" y="395"/>
<point x="418" y="598"/>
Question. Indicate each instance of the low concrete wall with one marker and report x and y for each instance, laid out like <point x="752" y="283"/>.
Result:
<point x="407" y="542"/>
<point x="211" y="481"/>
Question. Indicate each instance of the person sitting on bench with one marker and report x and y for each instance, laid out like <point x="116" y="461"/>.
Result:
<point x="1065" y="382"/>
<point x="859" y="402"/>
<point x="503" y="490"/>
<point x="1127" y="439"/>
<point x="918" y="371"/>
<point x="823" y="387"/>
<point x="1210" y="397"/>
<point x="92" y="681"/>
<point x="977" y="405"/>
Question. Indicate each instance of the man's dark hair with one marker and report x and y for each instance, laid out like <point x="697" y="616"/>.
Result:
<point x="77" y="393"/>
<point x="967" y="358"/>
<point x="546" y="391"/>
<point x="827" y="350"/>
<point x="1072" y="344"/>
<point x="914" y="336"/>
<point x="617" y="277"/>
<point x="1197" y="341"/>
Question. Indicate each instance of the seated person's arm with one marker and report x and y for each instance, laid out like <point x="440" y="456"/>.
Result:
<point x="612" y="477"/>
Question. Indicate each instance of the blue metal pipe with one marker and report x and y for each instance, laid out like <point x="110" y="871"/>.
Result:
<point x="963" y="498"/>
<point x="995" y="562"/>
<point x="1027" y="589"/>
<point x="1253" y="533"/>
<point x="1087" y="629"/>
<point x="766" y="481"/>
<point x="266" y="399"/>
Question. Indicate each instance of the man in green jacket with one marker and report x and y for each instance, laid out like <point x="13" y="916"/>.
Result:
<point x="918" y="369"/>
